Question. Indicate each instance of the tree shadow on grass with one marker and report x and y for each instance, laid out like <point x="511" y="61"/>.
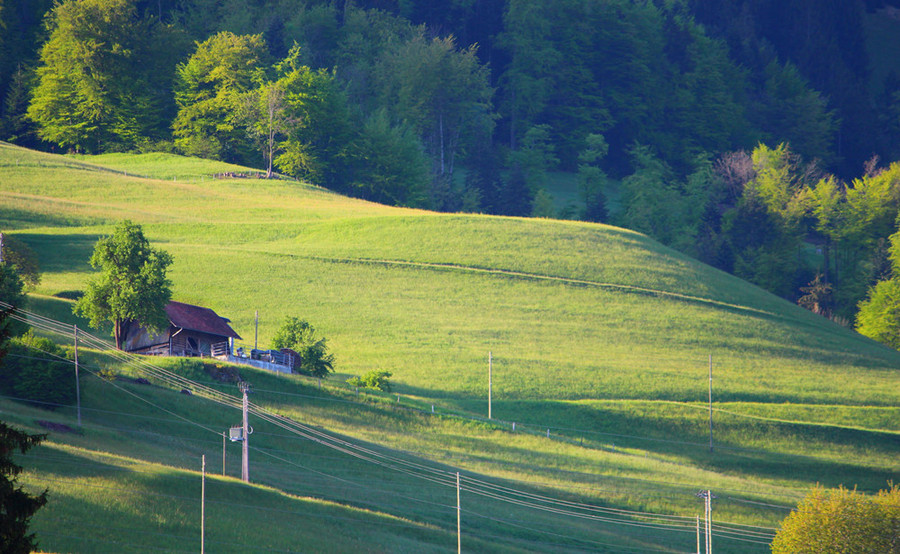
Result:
<point x="61" y="253"/>
<point x="767" y="449"/>
<point x="12" y="218"/>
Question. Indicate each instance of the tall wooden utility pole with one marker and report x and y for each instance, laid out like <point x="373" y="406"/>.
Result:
<point x="710" y="405"/>
<point x="245" y="443"/>
<point x="698" y="534"/>
<point x="203" y="506"/>
<point x="77" y="384"/>
<point x="707" y="497"/>
<point x="458" y="519"/>
<point x="708" y="522"/>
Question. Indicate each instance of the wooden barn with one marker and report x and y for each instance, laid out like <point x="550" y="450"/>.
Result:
<point x="192" y="331"/>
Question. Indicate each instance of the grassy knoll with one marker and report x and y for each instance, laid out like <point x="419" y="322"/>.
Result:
<point x="598" y="334"/>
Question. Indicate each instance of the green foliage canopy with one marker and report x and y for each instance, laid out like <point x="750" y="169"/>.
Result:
<point x="208" y="90"/>
<point x="841" y="520"/>
<point x="377" y="379"/>
<point x="317" y="142"/>
<point x="100" y="82"/>
<point x="10" y="293"/>
<point x="23" y="260"/>
<point x="442" y="91"/>
<point x="37" y="369"/>
<point x="132" y="286"/>
<point x="300" y="336"/>
<point x="392" y="166"/>
<point x="631" y="71"/>
<point x="879" y="313"/>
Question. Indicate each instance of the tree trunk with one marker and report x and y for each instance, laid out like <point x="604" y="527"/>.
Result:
<point x="118" y="332"/>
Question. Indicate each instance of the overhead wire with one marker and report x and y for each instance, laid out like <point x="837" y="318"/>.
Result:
<point x="414" y="469"/>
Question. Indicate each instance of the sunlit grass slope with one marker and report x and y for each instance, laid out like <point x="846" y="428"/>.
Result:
<point x="570" y="310"/>
<point x="597" y="332"/>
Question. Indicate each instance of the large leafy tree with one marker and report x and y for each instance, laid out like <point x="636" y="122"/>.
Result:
<point x="16" y="505"/>
<point x="132" y="285"/>
<point x="879" y="313"/>
<point x="317" y="142"/>
<point x="841" y="520"/>
<point x="101" y="79"/>
<point x="764" y="231"/>
<point x="443" y="92"/>
<point x="391" y="165"/>
<point x="22" y="258"/>
<point x="592" y="179"/>
<point x="265" y="114"/>
<point x="20" y="33"/>
<point x="208" y="90"/>
<point x="789" y="110"/>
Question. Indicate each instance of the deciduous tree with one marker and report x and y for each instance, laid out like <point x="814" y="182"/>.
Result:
<point x="317" y="145"/>
<point x="442" y="91"/>
<point x="264" y="112"/>
<point x="22" y="258"/>
<point x="132" y="285"/>
<point x="591" y="177"/>
<point x="392" y="167"/>
<point x="208" y="92"/>
<point x="841" y="520"/>
<point x="99" y="79"/>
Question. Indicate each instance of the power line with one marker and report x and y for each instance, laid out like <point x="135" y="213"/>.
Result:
<point x="409" y="467"/>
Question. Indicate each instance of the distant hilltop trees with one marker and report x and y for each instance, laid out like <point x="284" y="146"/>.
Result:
<point x="734" y="140"/>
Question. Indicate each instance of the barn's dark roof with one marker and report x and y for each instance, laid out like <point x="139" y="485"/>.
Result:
<point x="197" y="318"/>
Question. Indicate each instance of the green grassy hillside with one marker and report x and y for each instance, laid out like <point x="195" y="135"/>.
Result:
<point x="600" y="338"/>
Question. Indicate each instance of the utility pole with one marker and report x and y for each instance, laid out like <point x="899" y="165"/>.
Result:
<point x="458" y="519"/>
<point x="77" y="384"/>
<point x="707" y="497"/>
<point x="223" y="453"/>
<point x="245" y="444"/>
<point x="710" y="406"/>
<point x="490" y="381"/>
<point x="708" y="522"/>
<point x="203" y="506"/>
<point x="698" y="534"/>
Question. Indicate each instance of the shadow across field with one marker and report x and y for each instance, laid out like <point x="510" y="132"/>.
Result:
<point x="60" y="253"/>
<point x="771" y="449"/>
<point x="12" y="218"/>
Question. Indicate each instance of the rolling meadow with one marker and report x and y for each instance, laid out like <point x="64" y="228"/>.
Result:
<point x="601" y="342"/>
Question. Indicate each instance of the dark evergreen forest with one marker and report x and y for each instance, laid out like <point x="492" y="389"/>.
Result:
<point x="754" y="135"/>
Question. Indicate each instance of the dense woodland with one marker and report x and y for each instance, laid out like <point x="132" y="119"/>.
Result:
<point x="755" y="135"/>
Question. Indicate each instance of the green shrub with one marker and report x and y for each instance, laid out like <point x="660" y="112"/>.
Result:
<point x="36" y="369"/>
<point x="300" y="336"/>
<point x="377" y="380"/>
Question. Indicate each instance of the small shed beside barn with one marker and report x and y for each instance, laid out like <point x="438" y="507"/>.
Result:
<point x="193" y="331"/>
